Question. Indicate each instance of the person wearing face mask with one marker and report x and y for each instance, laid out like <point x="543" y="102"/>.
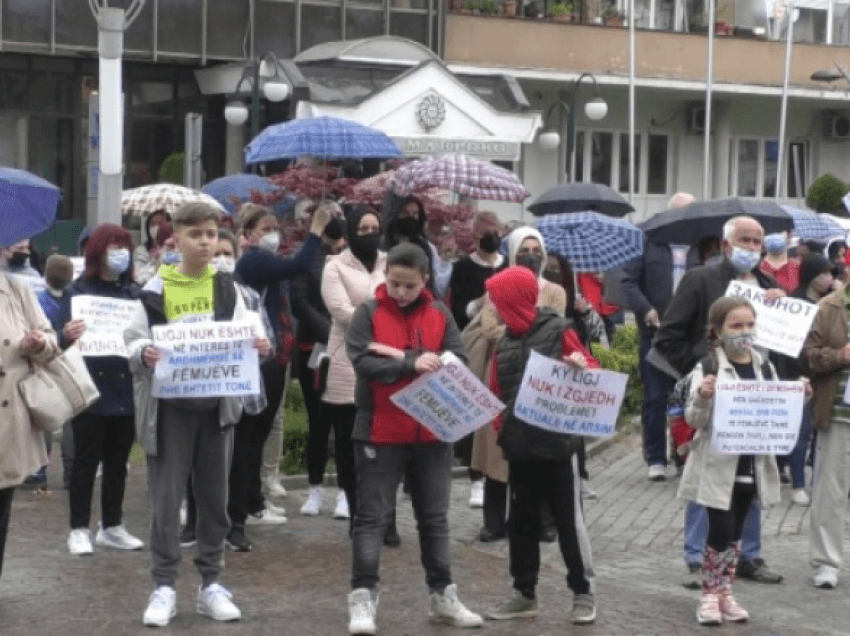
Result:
<point x="146" y="256"/>
<point x="17" y="259"/>
<point x="526" y="248"/>
<point x="682" y="341"/>
<point x="166" y="249"/>
<point x="104" y="432"/>
<point x="407" y="224"/>
<point x="777" y="263"/>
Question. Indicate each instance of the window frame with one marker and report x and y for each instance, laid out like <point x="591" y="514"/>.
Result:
<point x="761" y="165"/>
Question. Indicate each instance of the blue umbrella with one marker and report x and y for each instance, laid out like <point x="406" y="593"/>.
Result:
<point x="590" y="241"/>
<point x="239" y="187"/>
<point x="326" y="138"/>
<point x="812" y="226"/>
<point x="27" y="205"/>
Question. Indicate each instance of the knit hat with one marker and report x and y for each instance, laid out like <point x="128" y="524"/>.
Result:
<point x="514" y="293"/>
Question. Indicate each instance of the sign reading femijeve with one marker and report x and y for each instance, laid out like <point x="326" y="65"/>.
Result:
<point x="503" y="150"/>
<point x="206" y="359"/>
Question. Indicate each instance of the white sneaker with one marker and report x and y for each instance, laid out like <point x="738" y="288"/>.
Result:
<point x="162" y="607"/>
<point x="446" y="608"/>
<point x="341" y="511"/>
<point x="117" y="537"/>
<point x="476" y="494"/>
<point x="361" y="611"/>
<point x="265" y="518"/>
<point x="313" y="506"/>
<point x="280" y="511"/>
<point x="586" y="491"/>
<point x="79" y="542"/>
<point x="214" y="601"/>
<point x="273" y="487"/>
<point x="826" y="577"/>
<point x="801" y="497"/>
<point x="658" y="472"/>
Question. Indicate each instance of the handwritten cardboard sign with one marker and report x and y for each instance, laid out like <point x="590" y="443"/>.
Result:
<point x="206" y="359"/>
<point x="106" y="319"/>
<point x="756" y="417"/>
<point x="781" y="325"/>
<point x="559" y="397"/>
<point x="450" y="402"/>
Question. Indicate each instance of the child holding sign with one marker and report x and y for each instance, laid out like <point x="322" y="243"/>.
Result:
<point x="395" y="336"/>
<point x="186" y="436"/>
<point x="725" y="483"/>
<point x="541" y="464"/>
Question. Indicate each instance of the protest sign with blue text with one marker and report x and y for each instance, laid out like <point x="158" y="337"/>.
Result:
<point x="563" y="398"/>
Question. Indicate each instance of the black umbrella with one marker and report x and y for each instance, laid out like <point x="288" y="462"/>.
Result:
<point x="706" y="218"/>
<point x="581" y="197"/>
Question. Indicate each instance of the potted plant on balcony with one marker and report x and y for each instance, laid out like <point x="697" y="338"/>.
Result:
<point x="467" y="7"/>
<point x="509" y="7"/>
<point x="563" y="11"/>
<point x="612" y="17"/>
<point x="488" y="7"/>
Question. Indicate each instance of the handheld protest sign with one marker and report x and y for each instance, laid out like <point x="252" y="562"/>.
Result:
<point x="756" y="417"/>
<point x="106" y="319"/>
<point x="207" y="359"/>
<point x="562" y="398"/>
<point x="450" y="402"/>
<point x="781" y="325"/>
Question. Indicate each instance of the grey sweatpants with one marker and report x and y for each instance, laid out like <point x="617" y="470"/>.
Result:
<point x="190" y="442"/>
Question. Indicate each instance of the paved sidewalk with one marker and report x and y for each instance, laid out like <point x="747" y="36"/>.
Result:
<point x="296" y="579"/>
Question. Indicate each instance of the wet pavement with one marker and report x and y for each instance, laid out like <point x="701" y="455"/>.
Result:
<point x="296" y="579"/>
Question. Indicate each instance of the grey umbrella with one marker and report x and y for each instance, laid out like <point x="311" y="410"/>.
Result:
<point x="581" y="197"/>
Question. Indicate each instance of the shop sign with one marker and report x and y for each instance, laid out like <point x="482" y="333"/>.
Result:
<point x="500" y="150"/>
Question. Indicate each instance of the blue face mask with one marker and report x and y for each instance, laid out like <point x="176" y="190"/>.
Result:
<point x="744" y="261"/>
<point x="118" y="261"/>
<point x="775" y="243"/>
<point x="171" y="258"/>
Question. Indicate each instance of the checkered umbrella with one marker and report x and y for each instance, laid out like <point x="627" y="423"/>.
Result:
<point x="372" y="191"/>
<point x="474" y="178"/>
<point x="162" y="196"/>
<point x="326" y="138"/>
<point x="813" y="226"/>
<point x="590" y="241"/>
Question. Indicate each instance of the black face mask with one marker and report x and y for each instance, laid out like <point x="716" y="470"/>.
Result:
<point x="335" y="229"/>
<point x="365" y="247"/>
<point x="531" y="262"/>
<point x="489" y="243"/>
<point x="407" y="226"/>
<point x="552" y="276"/>
<point x="17" y="259"/>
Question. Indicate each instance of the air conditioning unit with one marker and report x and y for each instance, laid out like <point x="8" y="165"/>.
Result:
<point x="836" y="126"/>
<point x="696" y="119"/>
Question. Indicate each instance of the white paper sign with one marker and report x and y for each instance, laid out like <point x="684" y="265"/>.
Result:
<point x="756" y="417"/>
<point x="36" y="284"/>
<point x="781" y="325"/>
<point x="565" y="399"/>
<point x="450" y="402"/>
<point x="79" y="263"/>
<point x="206" y="359"/>
<point x="106" y="319"/>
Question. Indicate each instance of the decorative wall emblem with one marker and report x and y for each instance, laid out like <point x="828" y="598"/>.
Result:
<point x="431" y="111"/>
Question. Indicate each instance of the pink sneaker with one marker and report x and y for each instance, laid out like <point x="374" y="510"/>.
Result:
<point x="730" y="609"/>
<point x="708" y="612"/>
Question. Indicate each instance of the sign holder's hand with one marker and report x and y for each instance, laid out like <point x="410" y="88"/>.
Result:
<point x="263" y="346"/>
<point x="576" y="359"/>
<point x="706" y="388"/>
<point x="73" y="330"/>
<point x="774" y="294"/>
<point x="807" y="386"/>
<point x="428" y="362"/>
<point x="652" y="319"/>
<point x="150" y="356"/>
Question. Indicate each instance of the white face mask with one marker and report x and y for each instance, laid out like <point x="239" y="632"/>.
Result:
<point x="270" y="242"/>
<point x="224" y="264"/>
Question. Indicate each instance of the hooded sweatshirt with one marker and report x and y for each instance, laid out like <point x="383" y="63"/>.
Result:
<point x="187" y="299"/>
<point x="551" y="295"/>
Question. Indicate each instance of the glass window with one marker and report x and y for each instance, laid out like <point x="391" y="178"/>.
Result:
<point x="139" y="37"/>
<point x="227" y="23"/>
<point x="14" y="91"/>
<point x="410" y="25"/>
<point x="796" y="181"/>
<point x="319" y="24"/>
<point x="363" y="24"/>
<point x="624" y="162"/>
<point x="409" y="4"/>
<point x="51" y="148"/>
<point x="27" y="21"/>
<point x="179" y="26"/>
<point x="274" y="28"/>
<point x="75" y="24"/>
<point x="771" y="156"/>
<point x="601" y="159"/>
<point x="748" y="155"/>
<point x="579" y="152"/>
<point x="656" y="177"/>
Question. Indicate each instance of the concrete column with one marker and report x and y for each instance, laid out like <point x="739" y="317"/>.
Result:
<point x="722" y="135"/>
<point x="234" y="149"/>
<point x="22" y="143"/>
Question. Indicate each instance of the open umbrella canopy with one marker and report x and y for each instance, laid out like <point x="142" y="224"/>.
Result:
<point x="590" y="241"/>
<point x="162" y="196"/>
<point x="706" y="218"/>
<point x="474" y="178"/>
<point x="235" y="189"/>
<point x="581" y="197"/>
<point x="326" y="138"/>
<point x="812" y="226"/>
<point x="27" y="205"/>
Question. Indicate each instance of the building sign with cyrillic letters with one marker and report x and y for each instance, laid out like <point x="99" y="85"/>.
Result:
<point x="499" y="150"/>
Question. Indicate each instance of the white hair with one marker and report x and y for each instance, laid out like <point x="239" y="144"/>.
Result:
<point x="680" y="200"/>
<point x="732" y="224"/>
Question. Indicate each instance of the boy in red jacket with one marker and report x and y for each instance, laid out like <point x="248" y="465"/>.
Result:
<point x="541" y="463"/>
<point x="392" y="339"/>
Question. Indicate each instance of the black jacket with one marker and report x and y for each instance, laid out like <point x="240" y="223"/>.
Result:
<point x="111" y="374"/>
<point x="314" y="320"/>
<point x="682" y="338"/>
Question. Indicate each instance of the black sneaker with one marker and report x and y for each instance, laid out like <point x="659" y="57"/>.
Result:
<point x="187" y="537"/>
<point x="391" y="538"/>
<point x="548" y="534"/>
<point x="757" y="570"/>
<point x="489" y="536"/>
<point x="237" y="541"/>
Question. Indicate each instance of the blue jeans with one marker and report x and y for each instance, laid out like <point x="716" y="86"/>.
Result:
<point x="379" y="471"/>
<point x="657" y="386"/>
<point x="797" y="458"/>
<point x="696" y="532"/>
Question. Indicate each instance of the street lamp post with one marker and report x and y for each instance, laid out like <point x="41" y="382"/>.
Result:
<point x="783" y="110"/>
<point x="595" y="110"/>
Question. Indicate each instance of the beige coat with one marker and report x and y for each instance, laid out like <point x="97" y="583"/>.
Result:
<point x="824" y="355"/>
<point x="346" y="283"/>
<point x="22" y="450"/>
<point x="709" y="476"/>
